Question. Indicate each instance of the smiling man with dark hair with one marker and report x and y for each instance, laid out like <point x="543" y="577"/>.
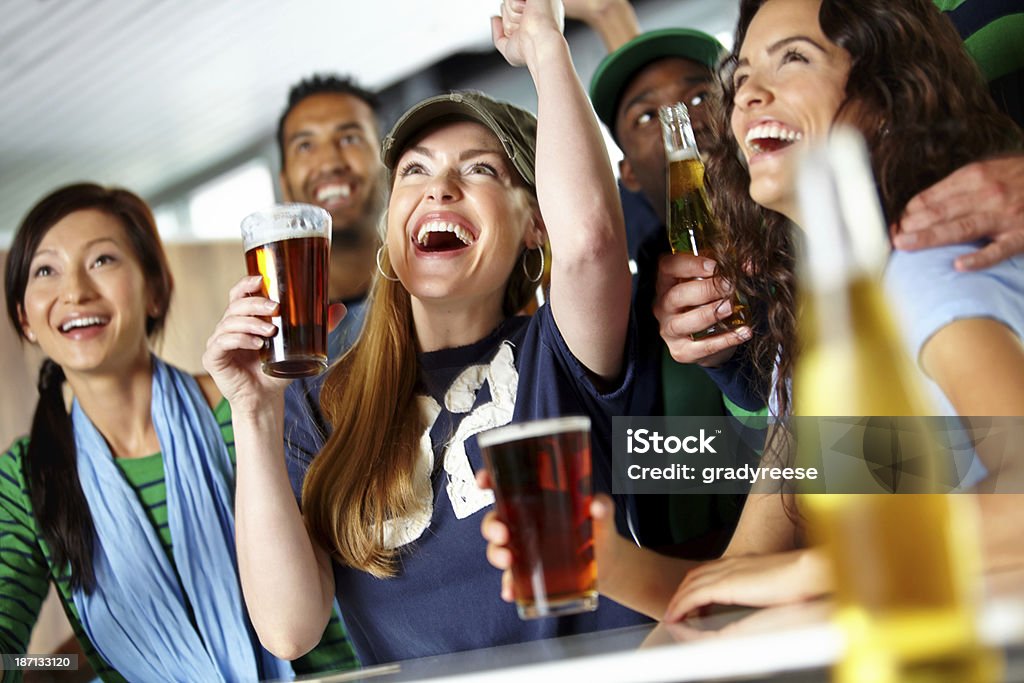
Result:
<point x="329" y="140"/>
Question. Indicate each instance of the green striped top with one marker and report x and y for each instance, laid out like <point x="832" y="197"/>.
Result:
<point x="26" y="568"/>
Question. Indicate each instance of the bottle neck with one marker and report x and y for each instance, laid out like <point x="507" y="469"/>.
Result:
<point x="677" y="132"/>
<point x="848" y="338"/>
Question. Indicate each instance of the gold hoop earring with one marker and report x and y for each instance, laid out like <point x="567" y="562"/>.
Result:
<point x="380" y="269"/>
<point x="540" y="273"/>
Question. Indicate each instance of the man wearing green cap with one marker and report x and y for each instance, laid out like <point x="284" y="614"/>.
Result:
<point x="978" y="202"/>
<point x="642" y="72"/>
<point x="655" y="69"/>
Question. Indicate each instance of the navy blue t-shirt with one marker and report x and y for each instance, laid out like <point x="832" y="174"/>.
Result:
<point x="641" y="221"/>
<point x="446" y="597"/>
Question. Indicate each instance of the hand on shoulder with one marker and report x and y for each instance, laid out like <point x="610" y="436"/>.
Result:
<point x="982" y="200"/>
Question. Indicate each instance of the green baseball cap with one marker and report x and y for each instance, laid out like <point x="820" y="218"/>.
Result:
<point x="516" y="128"/>
<point x="617" y="69"/>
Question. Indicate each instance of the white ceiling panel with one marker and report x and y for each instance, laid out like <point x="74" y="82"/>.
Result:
<point x="146" y="93"/>
<point x="149" y="94"/>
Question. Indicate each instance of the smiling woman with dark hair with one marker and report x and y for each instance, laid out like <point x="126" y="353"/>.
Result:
<point x="920" y="103"/>
<point x="125" y="503"/>
<point x="898" y="73"/>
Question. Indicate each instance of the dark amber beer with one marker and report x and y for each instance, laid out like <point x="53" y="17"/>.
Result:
<point x="542" y="486"/>
<point x="690" y="223"/>
<point x="289" y="247"/>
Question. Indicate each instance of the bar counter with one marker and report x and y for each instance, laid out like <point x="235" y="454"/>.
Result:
<point x="792" y="643"/>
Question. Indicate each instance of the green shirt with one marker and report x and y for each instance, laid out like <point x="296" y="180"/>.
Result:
<point x="26" y="567"/>
<point x="991" y="31"/>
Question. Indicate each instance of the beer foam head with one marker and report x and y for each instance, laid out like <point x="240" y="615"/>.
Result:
<point x="534" y="428"/>
<point x="683" y="155"/>
<point x="285" y="222"/>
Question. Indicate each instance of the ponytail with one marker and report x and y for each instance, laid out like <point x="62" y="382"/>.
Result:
<point x="54" y="489"/>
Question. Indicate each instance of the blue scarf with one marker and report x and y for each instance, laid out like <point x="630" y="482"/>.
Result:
<point x="137" y="616"/>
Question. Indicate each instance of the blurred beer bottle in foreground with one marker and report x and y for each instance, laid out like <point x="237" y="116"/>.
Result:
<point x="690" y="224"/>
<point x="904" y="563"/>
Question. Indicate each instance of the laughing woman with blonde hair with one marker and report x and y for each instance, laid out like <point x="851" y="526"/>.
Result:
<point x="389" y="506"/>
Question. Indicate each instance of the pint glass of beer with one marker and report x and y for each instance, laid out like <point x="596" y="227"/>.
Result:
<point x="288" y="245"/>
<point x="542" y="486"/>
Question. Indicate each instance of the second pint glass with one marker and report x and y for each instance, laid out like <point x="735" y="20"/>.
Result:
<point x="542" y="488"/>
<point x="289" y="245"/>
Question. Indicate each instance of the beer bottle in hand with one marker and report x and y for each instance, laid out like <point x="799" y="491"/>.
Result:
<point x="903" y="561"/>
<point x="690" y="224"/>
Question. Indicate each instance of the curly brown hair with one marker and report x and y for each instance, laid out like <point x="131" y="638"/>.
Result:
<point x="911" y="86"/>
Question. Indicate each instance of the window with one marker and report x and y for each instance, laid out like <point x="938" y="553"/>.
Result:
<point x="167" y="223"/>
<point x="216" y="209"/>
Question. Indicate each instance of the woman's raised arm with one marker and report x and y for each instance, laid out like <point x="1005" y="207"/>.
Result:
<point x="579" y="202"/>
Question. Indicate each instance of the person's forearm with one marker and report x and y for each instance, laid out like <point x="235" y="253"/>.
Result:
<point x="572" y="160"/>
<point x="287" y="589"/>
<point x="640" y="579"/>
<point x="578" y="197"/>
<point x="615" y="22"/>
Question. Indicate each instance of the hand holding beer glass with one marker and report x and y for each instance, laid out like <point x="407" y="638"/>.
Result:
<point x="542" y="485"/>
<point x="689" y="221"/>
<point x="288" y="245"/>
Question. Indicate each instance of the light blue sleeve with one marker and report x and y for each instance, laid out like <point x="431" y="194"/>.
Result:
<point x="926" y="293"/>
